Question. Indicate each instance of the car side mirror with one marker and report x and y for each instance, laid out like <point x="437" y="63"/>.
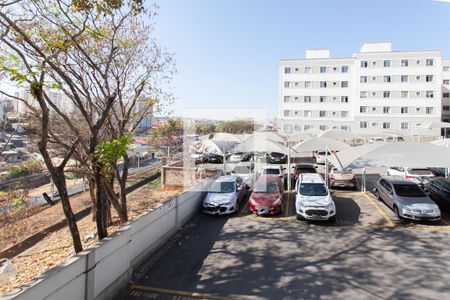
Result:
<point x="316" y="166"/>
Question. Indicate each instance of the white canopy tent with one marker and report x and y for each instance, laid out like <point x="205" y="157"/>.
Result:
<point x="339" y="134"/>
<point x="269" y="135"/>
<point x="298" y="137"/>
<point x="258" y="144"/>
<point x="441" y="142"/>
<point x="227" y="137"/>
<point x="217" y="147"/>
<point x="313" y="131"/>
<point x="405" y="154"/>
<point x="319" y="143"/>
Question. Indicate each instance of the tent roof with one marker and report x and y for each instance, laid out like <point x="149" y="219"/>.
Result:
<point x="268" y="135"/>
<point x="216" y="147"/>
<point x="339" y="134"/>
<point x="255" y="143"/>
<point x="319" y="143"/>
<point x="301" y="136"/>
<point x="312" y="131"/>
<point x="227" y="137"/>
<point x="404" y="154"/>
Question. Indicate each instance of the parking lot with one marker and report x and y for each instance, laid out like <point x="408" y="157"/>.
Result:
<point x="367" y="253"/>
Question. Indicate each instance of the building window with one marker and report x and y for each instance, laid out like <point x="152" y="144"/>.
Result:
<point x="387" y="78"/>
<point x="418" y="94"/>
<point x="386" y="94"/>
<point x="363" y="79"/>
<point x="418" y="78"/>
<point x="323" y="84"/>
<point x="307" y="99"/>
<point x="445" y="81"/>
<point x="446" y="95"/>
<point x="344" y="69"/>
<point x="404" y="62"/>
<point x="374" y="63"/>
<point x="446" y="107"/>
<point x="363" y="94"/>
<point x="429" y="110"/>
<point x="287" y="84"/>
<point x="287" y="70"/>
<point x="418" y="109"/>
<point x="322" y="113"/>
<point x="345" y="127"/>
<point x="287" y="113"/>
<point x="323" y="69"/>
<point x="404" y="78"/>
<point x="363" y="109"/>
<point x="386" y="110"/>
<point x="308" y="70"/>
<point x="404" y="110"/>
<point x="323" y="127"/>
<point x="430" y="62"/>
<point x="344" y="84"/>
<point x="322" y="99"/>
<point x="344" y="114"/>
<point x="344" y="99"/>
<point x="363" y="124"/>
<point x="446" y="68"/>
<point x="387" y="63"/>
<point x="429" y="78"/>
<point x="287" y="98"/>
<point x="374" y="124"/>
<point x="418" y="62"/>
<point x="334" y="113"/>
<point x="364" y="64"/>
<point x="404" y="94"/>
<point x="307" y="113"/>
<point x="386" y="125"/>
<point x="429" y="94"/>
<point x="308" y="84"/>
<point x="404" y="125"/>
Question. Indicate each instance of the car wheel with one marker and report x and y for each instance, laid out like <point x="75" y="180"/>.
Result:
<point x="396" y="212"/>
<point x="300" y="218"/>
<point x="332" y="219"/>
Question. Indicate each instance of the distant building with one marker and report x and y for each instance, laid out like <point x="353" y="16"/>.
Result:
<point x="375" y="91"/>
<point x="146" y="122"/>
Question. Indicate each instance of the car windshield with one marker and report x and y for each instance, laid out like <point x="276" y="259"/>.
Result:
<point x="420" y="172"/>
<point x="313" y="189"/>
<point x="276" y="154"/>
<point x="222" y="187"/>
<point x="266" y="187"/>
<point x="408" y="190"/>
<point x="241" y="170"/>
<point x="271" y="171"/>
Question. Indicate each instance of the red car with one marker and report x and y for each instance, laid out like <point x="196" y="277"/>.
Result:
<point x="267" y="196"/>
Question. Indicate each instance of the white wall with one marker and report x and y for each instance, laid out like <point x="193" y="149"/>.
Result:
<point x="101" y="272"/>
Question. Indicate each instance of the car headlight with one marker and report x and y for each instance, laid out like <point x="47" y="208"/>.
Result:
<point x="277" y="202"/>
<point x="407" y="208"/>
<point x="330" y="206"/>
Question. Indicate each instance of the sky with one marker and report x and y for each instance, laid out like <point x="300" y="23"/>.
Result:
<point x="227" y="52"/>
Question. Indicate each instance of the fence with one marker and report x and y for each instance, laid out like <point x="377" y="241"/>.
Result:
<point x="100" y="272"/>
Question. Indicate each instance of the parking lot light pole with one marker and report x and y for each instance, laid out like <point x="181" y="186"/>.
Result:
<point x="289" y="169"/>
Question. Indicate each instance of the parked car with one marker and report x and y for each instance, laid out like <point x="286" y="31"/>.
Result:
<point x="438" y="172"/>
<point x="439" y="189"/>
<point x="342" y="178"/>
<point x="236" y="157"/>
<point x="406" y="199"/>
<point x="245" y="172"/>
<point x="320" y="157"/>
<point x="376" y="139"/>
<point x="313" y="200"/>
<point x="199" y="158"/>
<point x="267" y="196"/>
<point x="224" y="195"/>
<point x="274" y="171"/>
<point x="247" y="156"/>
<point x="418" y="175"/>
<point x="277" y="158"/>
<point x="214" y="158"/>
<point x="302" y="169"/>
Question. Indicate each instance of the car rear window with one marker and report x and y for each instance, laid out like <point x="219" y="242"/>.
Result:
<point x="408" y="190"/>
<point x="305" y="170"/>
<point x="420" y="172"/>
<point x="271" y="171"/>
<point x="241" y="170"/>
<point x="313" y="189"/>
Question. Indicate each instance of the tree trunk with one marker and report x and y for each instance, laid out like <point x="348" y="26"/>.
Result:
<point x="93" y="198"/>
<point x="122" y="187"/>
<point x="60" y="183"/>
<point x="100" y="214"/>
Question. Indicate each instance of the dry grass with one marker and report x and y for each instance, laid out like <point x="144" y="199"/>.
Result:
<point x="57" y="247"/>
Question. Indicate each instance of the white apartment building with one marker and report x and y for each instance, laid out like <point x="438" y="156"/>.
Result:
<point x="375" y="91"/>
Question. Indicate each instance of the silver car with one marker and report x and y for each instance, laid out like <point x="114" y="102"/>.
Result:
<point x="224" y="195"/>
<point x="407" y="199"/>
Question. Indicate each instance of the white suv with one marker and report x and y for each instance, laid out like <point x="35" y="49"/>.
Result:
<point x="313" y="200"/>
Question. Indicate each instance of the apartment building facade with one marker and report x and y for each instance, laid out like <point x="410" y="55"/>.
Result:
<point x="375" y="91"/>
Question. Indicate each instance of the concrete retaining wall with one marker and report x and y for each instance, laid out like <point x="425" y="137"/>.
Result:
<point x="100" y="272"/>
